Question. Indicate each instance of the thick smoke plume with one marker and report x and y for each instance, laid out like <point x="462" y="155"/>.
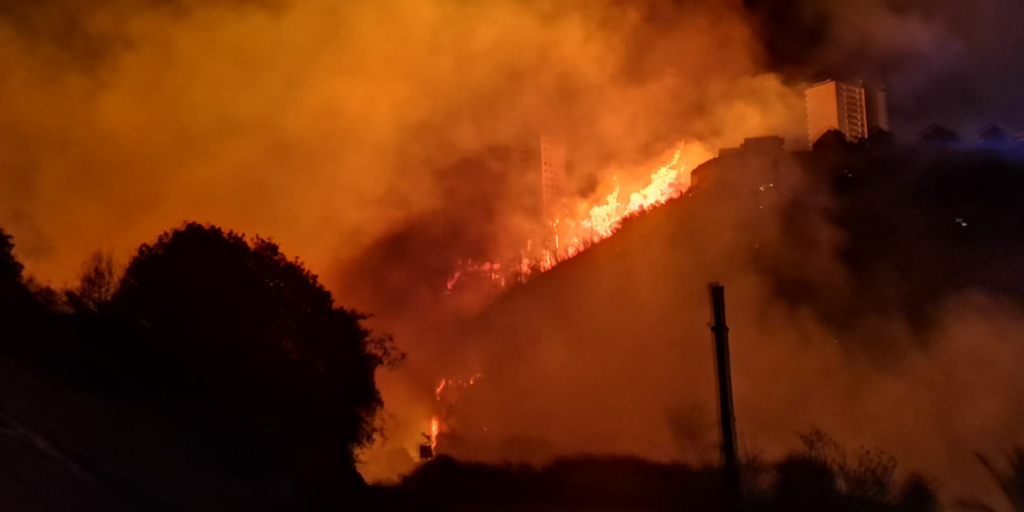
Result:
<point x="381" y="140"/>
<point x="944" y="61"/>
<point x="610" y="352"/>
<point x="326" y="123"/>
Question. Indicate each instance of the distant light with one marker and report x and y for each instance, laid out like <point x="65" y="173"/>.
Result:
<point x="961" y="222"/>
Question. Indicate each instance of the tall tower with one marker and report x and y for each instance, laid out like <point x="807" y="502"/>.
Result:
<point x="552" y="176"/>
<point x="849" y="107"/>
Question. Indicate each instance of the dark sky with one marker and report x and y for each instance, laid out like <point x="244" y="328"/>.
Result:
<point x="946" y="61"/>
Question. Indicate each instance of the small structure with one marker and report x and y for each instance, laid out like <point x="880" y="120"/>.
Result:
<point x="427" y="448"/>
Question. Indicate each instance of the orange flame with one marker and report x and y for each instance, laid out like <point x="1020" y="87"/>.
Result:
<point x="568" y="237"/>
<point x="605" y="218"/>
<point x="442" y="398"/>
<point x="435" y="428"/>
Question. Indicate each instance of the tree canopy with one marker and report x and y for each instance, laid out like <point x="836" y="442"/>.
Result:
<point x="255" y="341"/>
<point x="237" y="349"/>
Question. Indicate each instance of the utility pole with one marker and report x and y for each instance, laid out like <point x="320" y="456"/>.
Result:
<point x="726" y="417"/>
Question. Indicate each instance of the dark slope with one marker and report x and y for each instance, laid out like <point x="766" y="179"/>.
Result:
<point x="835" y="276"/>
<point x="622" y="327"/>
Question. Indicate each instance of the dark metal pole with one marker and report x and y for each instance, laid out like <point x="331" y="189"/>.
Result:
<point x="730" y="457"/>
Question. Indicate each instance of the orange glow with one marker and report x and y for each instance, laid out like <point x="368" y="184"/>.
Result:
<point x="435" y="428"/>
<point x="573" y="236"/>
<point x="445" y="394"/>
<point x="487" y="270"/>
<point x="568" y="237"/>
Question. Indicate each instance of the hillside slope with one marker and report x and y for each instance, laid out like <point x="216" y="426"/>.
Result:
<point x="842" y="311"/>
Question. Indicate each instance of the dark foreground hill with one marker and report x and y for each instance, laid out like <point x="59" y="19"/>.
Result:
<point x="805" y="480"/>
<point x="213" y="374"/>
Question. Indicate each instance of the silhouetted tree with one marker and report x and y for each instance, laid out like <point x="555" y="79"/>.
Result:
<point x="10" y="268"/>
<point x="808" y="480"/>
<point x="97" y="284"/>
<point x="917" y="495"/>
<point x="804" y="483"/>
<point x="869" y="478"/>
<point x="15" y="298"/>
<point x="249" y="347"/>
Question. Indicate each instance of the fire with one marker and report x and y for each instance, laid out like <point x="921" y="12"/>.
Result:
<point x="435" y="428"/>
<point x="487" y="270"/>
<point x="606" y="217"/>
<point x="567" y="237"/>
<point x="447" y="393"/>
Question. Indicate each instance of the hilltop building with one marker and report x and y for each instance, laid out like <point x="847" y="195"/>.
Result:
<point x="853" y="108"/>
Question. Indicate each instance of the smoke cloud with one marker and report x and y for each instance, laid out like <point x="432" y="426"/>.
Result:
<point x="382" y="142"/>
<point x="944" y="61"/>
<point x="610" y="351"/>
<point x="325" y="123"/>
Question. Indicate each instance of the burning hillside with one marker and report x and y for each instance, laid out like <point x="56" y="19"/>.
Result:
<point x="578" y="224"/>
<point x="608" y="353"/>
<point x="498" y="185"/>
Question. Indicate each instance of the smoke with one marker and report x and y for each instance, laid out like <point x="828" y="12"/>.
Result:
<point x="382" y="140"/>
<point x="325" y="123"/>
<point x="944" y="61"/>
<point x="610" y="352"/>
<point x="377" y="140"/>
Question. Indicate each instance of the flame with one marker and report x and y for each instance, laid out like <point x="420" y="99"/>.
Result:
<point x="446" y="393"/>
<point x="605" y="218"/>
<point x="487" y="270"/>
<point x="568" y="237"/>
<point x="435" y="428"/>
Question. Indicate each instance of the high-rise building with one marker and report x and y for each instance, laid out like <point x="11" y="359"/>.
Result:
<point x="850" y="107"/>
<point x="552" y="176"/>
